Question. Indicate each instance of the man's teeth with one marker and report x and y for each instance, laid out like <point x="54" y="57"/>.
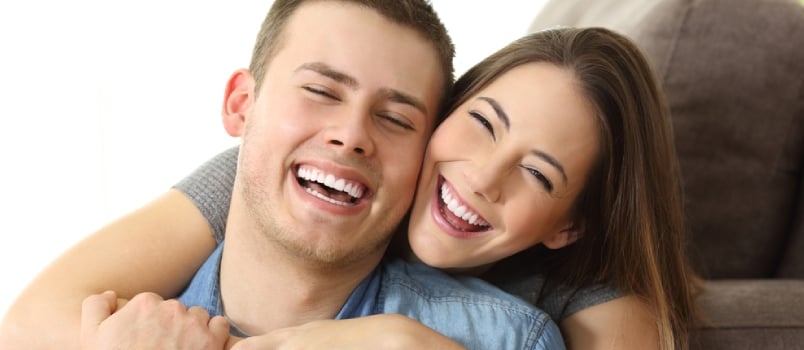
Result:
<point x="459" y="210"/>
<point x="314" y="175"/>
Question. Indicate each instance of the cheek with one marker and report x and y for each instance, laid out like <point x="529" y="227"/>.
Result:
<point x="403" y="168"/>
<point x="282" y="122"/>
<point x="530" y="221"/>
<point x="449" y="141"/>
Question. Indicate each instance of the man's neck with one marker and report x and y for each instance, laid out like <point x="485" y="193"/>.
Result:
<point x="264" y="288"/>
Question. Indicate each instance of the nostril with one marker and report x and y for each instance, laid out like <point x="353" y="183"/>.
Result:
<point x="339" y="143"/>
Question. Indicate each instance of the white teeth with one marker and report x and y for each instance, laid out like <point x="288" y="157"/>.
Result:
<point x="459" y="210"/>
<point x="354" y="189"/>
<point x="319" y="195"/>
<point x="453" y="205"/>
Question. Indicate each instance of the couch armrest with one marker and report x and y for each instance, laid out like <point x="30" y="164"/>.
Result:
<point x="751" y="314"/>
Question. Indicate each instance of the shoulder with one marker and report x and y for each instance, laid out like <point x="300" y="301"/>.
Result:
<point x="452" y="305"/>
<point x="559" y="301"/>
<point x="625" y="322"/>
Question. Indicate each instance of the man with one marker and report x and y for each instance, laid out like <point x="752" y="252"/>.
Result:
<point x="323" y="113"/>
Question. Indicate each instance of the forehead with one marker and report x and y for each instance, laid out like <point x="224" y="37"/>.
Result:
<point x="541" y="89"/>
<point x="545" y="102"/>
<point x="362" y="43"/>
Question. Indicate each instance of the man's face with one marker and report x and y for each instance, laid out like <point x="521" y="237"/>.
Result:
<point x="333" y="142"/>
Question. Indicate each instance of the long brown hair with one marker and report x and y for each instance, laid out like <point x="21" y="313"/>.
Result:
<point x="631" y="210"/>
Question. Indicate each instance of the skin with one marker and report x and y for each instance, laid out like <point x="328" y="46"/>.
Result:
<point x="353" y="129"/>
<point x="503" y="174"/>
<point x="332" y="106"/>
<point x="494" y="175"/>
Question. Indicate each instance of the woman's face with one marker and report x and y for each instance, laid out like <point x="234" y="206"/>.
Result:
<point x="502" y="171"/>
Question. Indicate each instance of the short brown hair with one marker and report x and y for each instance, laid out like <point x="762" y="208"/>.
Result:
<point x="415" y="14"/>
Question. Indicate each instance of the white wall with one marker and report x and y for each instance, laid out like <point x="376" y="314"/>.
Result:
<point x="105" y="105"/>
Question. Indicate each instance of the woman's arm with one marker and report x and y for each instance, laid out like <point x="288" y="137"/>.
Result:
<point x="157" y="248"/>
<point x="623" y="323"/>
<point x="386" y="331"/>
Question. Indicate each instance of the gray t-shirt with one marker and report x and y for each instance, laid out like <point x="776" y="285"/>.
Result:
<point x="210" y="188"/>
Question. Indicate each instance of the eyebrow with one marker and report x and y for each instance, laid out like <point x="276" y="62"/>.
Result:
<point x="498" y="110"/>
<point x="552" y="161"/>
<point x="401" y="97"/>
<point x="346" y="79"/>
<point x="329" y="72"/>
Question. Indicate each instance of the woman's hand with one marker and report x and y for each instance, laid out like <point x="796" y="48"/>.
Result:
<point x="388" y="331"/>
<point x="148" y="322"/>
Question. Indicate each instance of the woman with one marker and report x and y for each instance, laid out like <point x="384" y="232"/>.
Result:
<point x="561" y="138"/>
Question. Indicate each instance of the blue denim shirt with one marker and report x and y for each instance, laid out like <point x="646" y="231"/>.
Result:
<point x="465" y="309"/>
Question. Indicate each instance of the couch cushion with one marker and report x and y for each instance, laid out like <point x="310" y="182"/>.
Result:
<point x="732" y="72"/>
<point x="737" y="319"/>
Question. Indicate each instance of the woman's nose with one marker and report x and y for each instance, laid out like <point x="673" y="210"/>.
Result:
<point x="485" y="179"/>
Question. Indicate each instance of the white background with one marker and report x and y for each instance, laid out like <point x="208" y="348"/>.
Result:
<point x="106" y="104"/>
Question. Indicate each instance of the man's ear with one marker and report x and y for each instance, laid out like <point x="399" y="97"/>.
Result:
<point x="564" y="237"/>
<point x="237" y="101"/>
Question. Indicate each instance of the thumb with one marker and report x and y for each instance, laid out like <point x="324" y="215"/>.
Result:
<point x="94" y="310"/>
<point x="98" y="307"/>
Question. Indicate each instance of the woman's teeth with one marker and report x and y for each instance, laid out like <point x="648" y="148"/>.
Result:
<point x="459" y="210"/>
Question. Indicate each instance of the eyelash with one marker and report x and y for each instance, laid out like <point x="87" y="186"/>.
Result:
<point x="543" y="179"/>
<point x="484" y="122"/>
<point x="397" y="122"/>
<point x="321" y="92"/>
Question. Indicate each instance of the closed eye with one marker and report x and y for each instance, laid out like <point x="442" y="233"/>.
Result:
<point x="321" y="92"/>
<point x="541" y="178"/>
<point x="484" y="122"/>
<point x="396" y="121"/>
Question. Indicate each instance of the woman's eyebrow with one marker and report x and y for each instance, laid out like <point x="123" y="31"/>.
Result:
<point x="552" y="161"/>
<point x="498" y="110"/>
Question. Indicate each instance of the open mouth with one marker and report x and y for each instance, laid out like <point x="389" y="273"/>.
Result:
<point x="330" y="188"/>
<point x="457" y="213"/>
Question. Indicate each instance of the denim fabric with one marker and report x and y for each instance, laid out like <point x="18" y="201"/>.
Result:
<point x="465" y="309"/>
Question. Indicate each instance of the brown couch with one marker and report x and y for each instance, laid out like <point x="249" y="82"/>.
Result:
<point x="733" y="72"/>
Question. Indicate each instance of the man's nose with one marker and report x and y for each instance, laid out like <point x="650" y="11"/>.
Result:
<point x="352" y="134"/>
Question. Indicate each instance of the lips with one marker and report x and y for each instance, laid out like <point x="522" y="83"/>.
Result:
<point x="458" y="216"/>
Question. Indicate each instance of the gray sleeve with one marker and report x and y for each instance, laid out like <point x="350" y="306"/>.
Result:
<point x="559" y="302"/>
<point x="210" y="188"/>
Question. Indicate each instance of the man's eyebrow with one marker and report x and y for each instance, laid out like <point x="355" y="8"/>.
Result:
<point x="552" y="161"/>
<point x="401" y="97"/>
<point x="329" y="72"/>
<point x="498" y="110"/>
<point x="345" y="79"/>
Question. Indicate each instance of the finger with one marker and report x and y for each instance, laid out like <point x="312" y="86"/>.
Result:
<point x="199" y="314"/>
<point x="219" y="328"/>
